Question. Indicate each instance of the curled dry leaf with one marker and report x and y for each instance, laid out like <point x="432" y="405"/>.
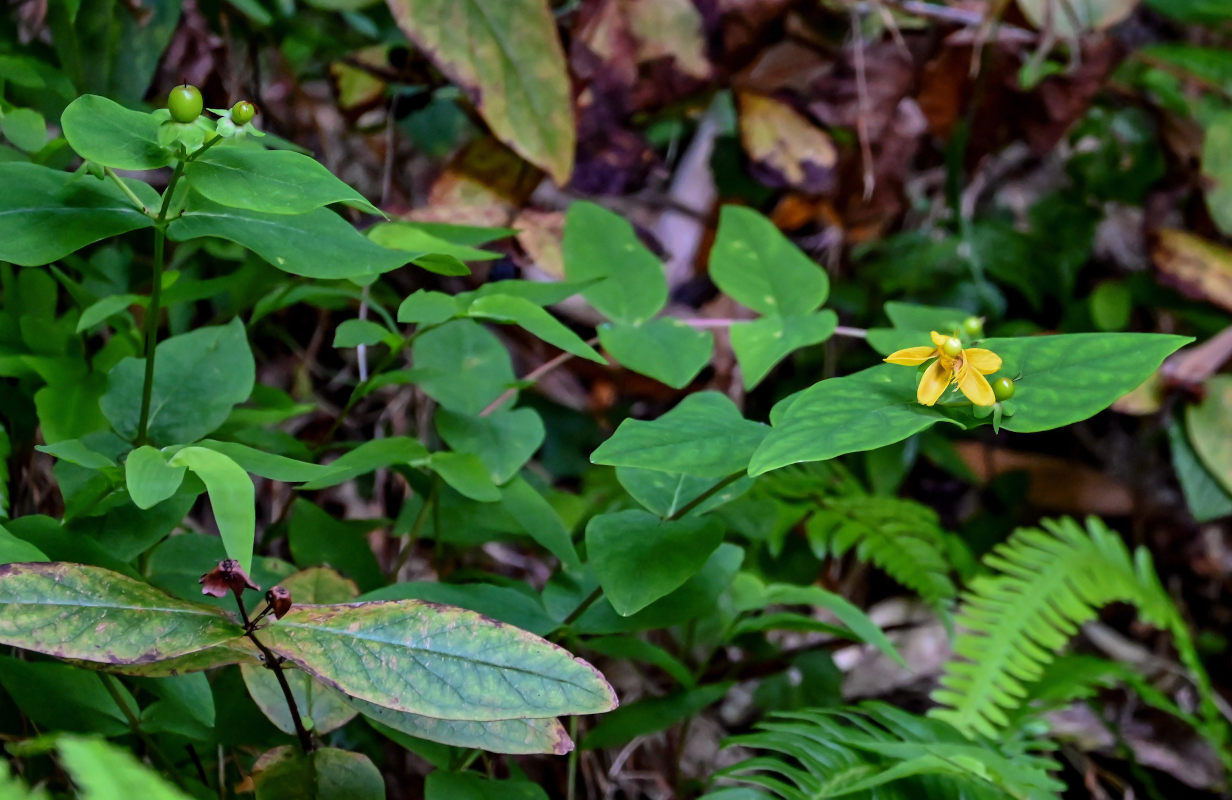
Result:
<point x="785" y="148"/>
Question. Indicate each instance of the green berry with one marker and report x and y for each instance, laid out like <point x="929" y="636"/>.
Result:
<point x="952" y="347"/>
<point x="185" y="103"/>
<point x="973" y="327"/>
<point x="243" y="112"/>
<point x="1003" y="388"/>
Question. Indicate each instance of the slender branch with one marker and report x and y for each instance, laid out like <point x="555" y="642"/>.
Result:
<point x="274" y="662"/>
<point x="532" y="376"/>
<point x="727" y="322"/>
<point x="110" y="173"/>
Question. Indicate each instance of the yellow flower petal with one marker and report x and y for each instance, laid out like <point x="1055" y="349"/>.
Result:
<point x="939" y="339"/>
<point x="912" y="356"/>
<point x="975" y="386"/>
<point x="986" y="361"/>
<point x="933" y="384"/>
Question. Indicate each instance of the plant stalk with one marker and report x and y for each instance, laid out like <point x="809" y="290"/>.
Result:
<point x="273" y="662"/>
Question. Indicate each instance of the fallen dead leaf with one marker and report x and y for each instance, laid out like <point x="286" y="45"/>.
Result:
<point x="1194" y="266"/>
<point x="785" y="148"/>
<point x="1056" y="484"/>
<point x="484" y="184"/>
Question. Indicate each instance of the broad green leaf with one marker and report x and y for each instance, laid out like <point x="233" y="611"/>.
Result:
<point x="462" y="365"/>
<point x="539" y="520"/>
<point x="1217" y="169"/>
<point x="863" y="411"/>
<point x="601" y="246"/>
<point x="104" y="771"/>
<point x="69" y="408"/>
<point x="632" y="648"/>
<point x="1062" y="379"/>
<point x="750" y="594"/>
<point x="25" y="128"/>
<point x="105" y="308"/>
<point x="107" y="133"/>
<point x="316" y="537"/>
<point x="754" y="263"/>
<point x="761" y="344"/>
<point x="1209" y="423"/>
<point x="413" y="237"/>
<point x="64" y="697"/>
<point x="504" y="440"/>
<point x="436" y="661"/>
<point x="527" y="315"/>
<point x="369" y="456"/>
<point x="666" y="493"/>
<point x="236" y="651"/>
<point x="1206" y="497"/>
<point x="14" y="549"/>
<point x="232" y="498"/>
<point x="268" y="465"/>
<point x="426" y="307"/>
<point x="651" y="715"/>
<point x="507" y="57"/>
<point x="442" y="785"/>
<point x="324" y="774"/>
<point x="513" y="736"/>
<point x="94" y="614"/>
<point x="354" y="332"/>
<point x="198" y="378"/>
<point x="665" y="349"/>
<point x="541" y="293"/>
<point x="640" y="558"/>
<point x="321" y="708"/>
<point x="270" y="181"/>
<point x="320" y="585"/>
<point x="46" y="214"/>
<point x="703" y="436"/>
<point x="185" y="706"/>
<point x="76" y="451"/>
<point x="441" y="264"/>
<point x="319" y="244"/>
<point x="176" y="564"/>
<point x="522" y="609"/>
<point x="466" y="474"/>
<point x="150" y="480"/>
<point x="1210" y="12"/>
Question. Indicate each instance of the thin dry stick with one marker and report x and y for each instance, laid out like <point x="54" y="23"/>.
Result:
<point x="532" y="376"/>
<point x="862" y="110"/>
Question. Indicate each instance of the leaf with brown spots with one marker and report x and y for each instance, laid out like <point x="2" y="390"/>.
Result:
<point x="437" y="661"/>
<point x="89" y="613"/>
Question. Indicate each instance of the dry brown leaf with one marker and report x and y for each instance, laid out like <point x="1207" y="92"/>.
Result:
<point x="785" y="148"/>
<point x="1056" y="484"/>
<point x="484" y="184"/>
<point x="1194" y="266"/>
<point x="539" y="234"/>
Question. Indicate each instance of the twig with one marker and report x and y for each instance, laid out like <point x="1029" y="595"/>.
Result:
<point x="274" y="662"/>
<point x="863" y="106"/>
<point x="531" y="377"/>
<point x="727" y="322"/>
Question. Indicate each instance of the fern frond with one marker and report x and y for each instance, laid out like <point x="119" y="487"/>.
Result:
<point x="878" y="751"/>
<point x="1012" y="623"/>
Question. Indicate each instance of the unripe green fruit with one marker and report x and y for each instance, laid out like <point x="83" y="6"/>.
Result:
<point x="243" y="112"/>
<point x="952" y="347"/>
<point x="1003" y="388"/>
<point x="185" y="104"/>
<point x="973" y="327"/>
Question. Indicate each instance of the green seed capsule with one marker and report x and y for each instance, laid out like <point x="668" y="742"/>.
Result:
<point x="1003" y="388"/>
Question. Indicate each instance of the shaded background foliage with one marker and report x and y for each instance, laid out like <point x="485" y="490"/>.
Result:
<point x="1049" y="166"/>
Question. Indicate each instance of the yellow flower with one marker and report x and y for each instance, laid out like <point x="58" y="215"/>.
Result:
<point x="954" y="364"/>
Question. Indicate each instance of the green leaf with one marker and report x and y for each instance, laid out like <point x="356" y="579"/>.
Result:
<point x="63" y="697"/>
<point x="413" y="237"/>
<point x="469" y="786"/>
<point x="322" y="708"/>
<point x="1060" y="380"/>
<point x="231" y="497"/>
<point x="652" y="715"/>
<point x="1207" y="498"/>
<point x="703" y="436"/>
<point x="437" y="661"/>
<point x="46" y="214"/>
<point x="316" y="537"/>
<point x="507" y="57"/>
<point x="539" y="520"/>
<point x="106" y="308"/>
<point x="149" y="478"/>
<point x="354" y="332"/>
<point x="665" y="349"/>
<point x="1210" y="12"/>
<point x="48" y="607"/>
<point x="270" y="181"/>
<point x="319" y="244"/>
<point x="25" y="128"/>
<point x="326" y="773"/>
<point x="514" y="736"/>
<point x="104" y="771"/>
<point x="75" y="451"/>
<point x="640" y="558"/>
<point x="198" y="378"/>
<point x="504" y="440"/>
<point x="106" y="133"/>
<point x="1209" y="422"/>
<point x="69" y="408"/>
<point x="441" y="264"/>
<point x="369" y="456"/>
<point x="666" y="493"/>
<point x="916" y="317"/>
<point x="185" y="706"/>
<point x="761" y="344"/>
<point x="466" y="474"/>
<point x="863" y="411"/>
<point x="1217" y="169"/>
<point x="754" y="263"/>
<point x="14" y="549"/>
<point x="426" y="307"/>
<point x="601" y="246"/>
<point x="269" y="465"/>
<point x="524" y="313"/>
<point x="462" y="365"/>
<point x="520" y="607"/>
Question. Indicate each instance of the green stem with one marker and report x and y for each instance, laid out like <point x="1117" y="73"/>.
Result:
<point x="416" y="527"/>
<point x="706" y="495"/>
<point x="152" y="311"/>
<point x="573" y="760"/>
<point x="110" y="684"/>
<point x="274" y="662"/>
<point x="110" y="173"/>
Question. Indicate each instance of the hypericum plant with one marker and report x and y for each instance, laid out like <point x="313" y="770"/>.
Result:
<point x="145" y="412"/>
